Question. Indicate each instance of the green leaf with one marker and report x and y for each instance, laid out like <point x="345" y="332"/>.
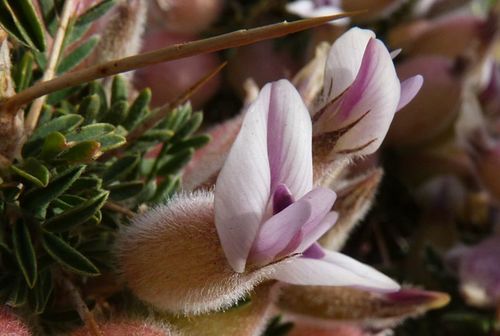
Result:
<point x="98" y="89"/>
<point x="24" y="71"/>
<point x="86" y="183"/>
<point x="67" y="256"/>
<point x="177" y="118"/>
<point x="83" y="23"/>
<point x="194" y="142"/>
<point x="38" y="199"/>
<point x="138" y="109"/>
<point x="82" y="152"/>
<point x="31" y="23"/>
<point x="76" y="216"/>
<point x="39" y="297"/>
<point x="117" y="113"/>
<point x="54" y="144"/>
<point x="120" y="168"/>
<point x="90" y="132"/>
<point x="191" y="126"/>
<point x="33" y="171"/>
<point x="78" y="55"/>
<point x="176" y="162"/>
<point x="19" y="18"/>
<point x="125" y="190"/>
<point x="25" y="253"/>
<point x="157" y="135"/>
<point x="166" y="189"/>
<point x="119" y="90"/>
<point x="63" y="124"/>
<point x="59" y="96"/>
<point x="49" y="14"/>
<point x="89" y="108"/>
<point x="19" y="293"/>
<point x="111" y="141"/>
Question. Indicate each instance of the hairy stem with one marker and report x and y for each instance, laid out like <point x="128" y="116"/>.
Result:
<point x="57" y="46"/>
<point x="177" y="51"/>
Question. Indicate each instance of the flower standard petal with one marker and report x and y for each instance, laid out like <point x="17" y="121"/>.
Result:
<point x="243" y="187"/>
<point x="289" y="134"/>
<point x="376" y="93"/>
<point x="343" y="62"/>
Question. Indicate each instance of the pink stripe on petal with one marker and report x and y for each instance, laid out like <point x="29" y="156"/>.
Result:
<point x="377" y="91"/>
<point x="289" y="136"/>
<point x="409" y="89"/>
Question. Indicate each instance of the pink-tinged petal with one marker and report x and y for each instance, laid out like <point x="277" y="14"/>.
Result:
<point x="278" y="231"/>
<point x="313" y="233"/>
<point x="319" y="221"/>
<point x="377" y="278"/>
<point x="409" y="89"/>
<point x="288" y="139"/>
<point x="282" y="198"/>
<point x="322" y="272"/>
<point x="344" y="61"/>
<point x="243" y="187"/>
<point x="373" y="97"/>
<point x="314" y="252"/>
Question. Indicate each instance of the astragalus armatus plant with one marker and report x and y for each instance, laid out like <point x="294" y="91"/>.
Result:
<point x="96" y="238"/>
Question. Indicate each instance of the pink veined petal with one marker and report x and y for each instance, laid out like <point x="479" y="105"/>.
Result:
<point x="315" y="251"/>
<point x="289" y="136"/>
<point x="377" y="278"/>
<point x="319" y="272"/>
<point x="243" y="187"/>
<point x="318" y="230"/>
<point x="409" y="89"/>
<point x="276" y="233"/>
<point x="343" y="62"/>
<point x="375" y="94"/>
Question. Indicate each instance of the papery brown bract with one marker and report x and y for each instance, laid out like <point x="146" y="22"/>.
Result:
<point x="329" y="307"/>
<point x="436" y="106"/>
<point x="171" y="257"/>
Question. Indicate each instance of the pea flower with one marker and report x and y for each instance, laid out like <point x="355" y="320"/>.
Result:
<point x="204" y="251"/>
<point x="266" y="210"/>
<point x="315" y="8"/>
<point x="360" y="95"/>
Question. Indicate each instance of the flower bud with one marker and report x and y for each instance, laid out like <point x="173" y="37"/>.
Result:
<point x="127" y="327"/>
<point x="451" y="37"/>
<point x="185" y="16"/>
<point x="171" y="257"/>
<point x="486" y="157"/>
<point x="10" y="324"/>
<point x="122" y="35"/>
<point x="168" y="80"/>
<point x="436" y="106"/>
<point x="479" y="273"/>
